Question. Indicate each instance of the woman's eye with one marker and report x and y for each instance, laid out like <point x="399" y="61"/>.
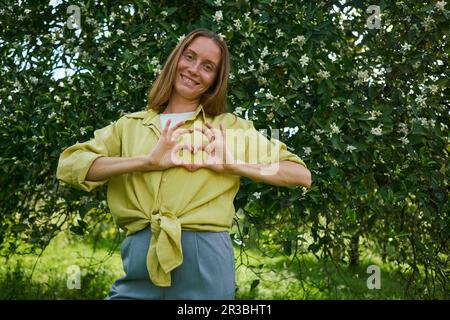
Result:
<point x="188" y="56"/>
<point x="208" y="67"/>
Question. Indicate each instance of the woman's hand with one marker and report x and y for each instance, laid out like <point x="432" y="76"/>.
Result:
<point x="218" y="158"/>
<point x="164" y="155"/>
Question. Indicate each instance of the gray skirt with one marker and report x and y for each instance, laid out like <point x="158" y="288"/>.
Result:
<point x="207" y="271"/>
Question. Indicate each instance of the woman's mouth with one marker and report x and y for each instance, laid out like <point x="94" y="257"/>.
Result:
<point x="188" y="81"/>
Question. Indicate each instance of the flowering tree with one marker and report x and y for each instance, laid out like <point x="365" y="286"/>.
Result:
<point x="359" y="91"/>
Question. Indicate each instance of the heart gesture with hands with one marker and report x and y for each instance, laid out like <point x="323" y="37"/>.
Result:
<point x="164" y="155"/>
<point x="218" y="158"/>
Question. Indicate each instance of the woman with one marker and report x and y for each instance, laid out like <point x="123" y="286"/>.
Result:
<point x="172" y="177"/>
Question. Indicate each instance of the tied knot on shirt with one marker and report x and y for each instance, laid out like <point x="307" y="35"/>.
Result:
<point x="165" y="252"/>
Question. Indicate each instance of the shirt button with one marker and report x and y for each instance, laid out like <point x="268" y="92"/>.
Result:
<point x="164" y="179"/>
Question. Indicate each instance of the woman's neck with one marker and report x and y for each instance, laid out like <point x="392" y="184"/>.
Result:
<point x="180" y="105"/>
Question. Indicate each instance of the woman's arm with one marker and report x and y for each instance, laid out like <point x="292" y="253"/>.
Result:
<point x="283" y="173"/>
<point x="106" y="167"/>
<point x="159" y="159"/>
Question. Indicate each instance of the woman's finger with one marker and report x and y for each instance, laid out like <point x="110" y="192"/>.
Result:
<point x="175" y="127"/>
<point x="166" y="128"/>
<point x="179" y="132"/>
<point x="183" y="146"/>
<point x="180" y="146"/>
<point x="208" y="133"/>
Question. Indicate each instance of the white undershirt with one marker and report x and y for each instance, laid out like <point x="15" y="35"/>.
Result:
<point x="174" y="117"/>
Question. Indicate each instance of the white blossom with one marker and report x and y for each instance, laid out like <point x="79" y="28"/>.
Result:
<point x="307" y="151"/>
<point x="404" y="140"/>
<point x="434" y="88"/>
<point x="323" y="74"/>
<point x="440" y="5"/>
<point x="263" y="66"/>
<point x="335" y="129"/>
<point x="428" y="22"/>
<point x="363" y="76"/>
<point x="304" y="60"/>
<point x="218" y="16"/>
<point x="350" y="148"/>
<point x="299" y="40"/>
<point x="406" y="47"/>
<point x="269" y="96"/>
<point x="374" y="114"/>
<point x="403" y="128"/>
<point x="239" y="110"/>
<point x="279" y="33"/>
<point x="237" y="24"/>
<point x="376" y="131"/>
<point x="420" y="100"/>
<point x="155" y="61"/>
<point x="265" y="52"/>
<point x="317" y="138"/>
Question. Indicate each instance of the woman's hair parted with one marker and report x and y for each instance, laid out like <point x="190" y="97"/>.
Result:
<point x="214" y="99"/>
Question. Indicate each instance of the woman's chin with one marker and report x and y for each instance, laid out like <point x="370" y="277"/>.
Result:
<point x="189" y="94"/>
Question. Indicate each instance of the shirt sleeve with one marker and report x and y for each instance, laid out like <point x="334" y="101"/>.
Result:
<point x="75" y="161"/>
<point x="267" y="151"/>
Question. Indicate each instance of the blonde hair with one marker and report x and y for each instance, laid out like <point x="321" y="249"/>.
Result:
<point x="214" y="99"/>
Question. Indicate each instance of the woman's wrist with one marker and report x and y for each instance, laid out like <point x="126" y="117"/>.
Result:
<point x="146" y="163"/>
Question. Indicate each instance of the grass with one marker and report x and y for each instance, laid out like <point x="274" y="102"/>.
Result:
<point x="55" y="271"/>
<point x="307" y="278"/>
<point x="260" y="277"/>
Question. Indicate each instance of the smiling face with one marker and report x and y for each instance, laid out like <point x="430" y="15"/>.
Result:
<point x="197" y="68"/>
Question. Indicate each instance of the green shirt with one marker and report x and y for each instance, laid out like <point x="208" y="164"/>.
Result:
<point x="169" y="200"/>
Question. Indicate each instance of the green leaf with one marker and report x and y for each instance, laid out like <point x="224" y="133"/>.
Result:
<point x="254" y="284"/>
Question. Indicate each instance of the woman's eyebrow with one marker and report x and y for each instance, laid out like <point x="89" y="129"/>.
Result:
<point x="195" y="53"/>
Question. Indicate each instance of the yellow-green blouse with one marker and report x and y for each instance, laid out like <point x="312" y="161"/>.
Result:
<point x="169" y="200"/>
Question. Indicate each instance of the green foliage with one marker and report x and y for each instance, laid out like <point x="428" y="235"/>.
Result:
<point x="367" y="108"/>
<point x="257" y="277"/>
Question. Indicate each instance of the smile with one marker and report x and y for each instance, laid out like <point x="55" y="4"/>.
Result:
<point x="188" y="81"/>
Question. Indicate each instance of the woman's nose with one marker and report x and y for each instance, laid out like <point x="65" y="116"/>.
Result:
<point x="193" y="68"/>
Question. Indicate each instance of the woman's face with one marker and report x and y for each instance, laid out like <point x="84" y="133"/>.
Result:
<point x="197" y="68"/>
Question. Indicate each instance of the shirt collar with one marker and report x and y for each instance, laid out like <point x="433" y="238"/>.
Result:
<point x="152" y="119"/>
